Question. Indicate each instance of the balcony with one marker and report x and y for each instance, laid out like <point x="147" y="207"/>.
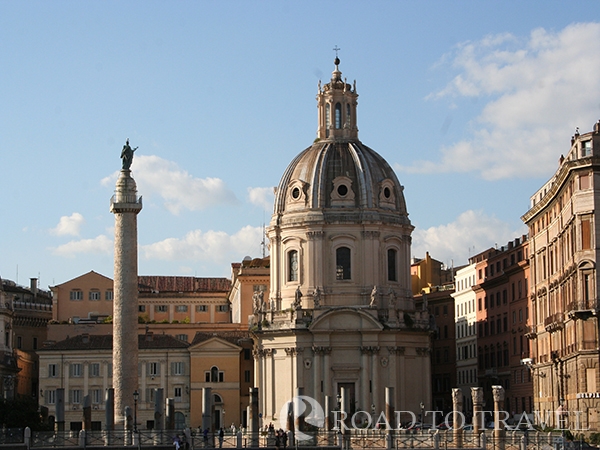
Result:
<point x="554" y="322"/>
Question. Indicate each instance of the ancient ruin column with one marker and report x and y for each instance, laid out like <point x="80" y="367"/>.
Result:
<point x="159" y="409"/>
<point x="457" y="418"/>
<point x="299" y="411"/>
<point x="125" y="205"/>
<point x="477" y="395"/>
<point x="253" y="419"/>
<point x="206" y="408"/>
<point x="498" y="393"/>
<point x="390" y="415"/>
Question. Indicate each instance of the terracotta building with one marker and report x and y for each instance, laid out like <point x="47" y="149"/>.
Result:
<point x="563" y="247"/>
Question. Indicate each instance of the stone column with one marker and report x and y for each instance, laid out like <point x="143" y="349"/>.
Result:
<point x="299" y="411"/>
<point x="477" y="395"/>
<point x="170" y="414"/>
<point x="326" y="371"/>
<point x="375" y="378"/>
<point x="253" y="420"/>
<point x="60" y="409"/>
<point x="109" y="401"/>
<point x="125" y="205"/>
<point x="316" y="366"/>
<point x="498" y="393"/>
<point x="87" y="413"/>
<point x="206" y="408"/>
<point x="390" y="415"/>
<point x="457" y="407"/>
<point x="364" y="379"/>
<point x="159" y="409"/>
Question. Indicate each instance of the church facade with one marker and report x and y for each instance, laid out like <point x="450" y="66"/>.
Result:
<point x="340" y="311"/>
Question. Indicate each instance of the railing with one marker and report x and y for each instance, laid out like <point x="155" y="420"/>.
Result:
<point x="354" y="438"/>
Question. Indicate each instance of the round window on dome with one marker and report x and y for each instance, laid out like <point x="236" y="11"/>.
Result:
<point x="342" y="190"/>
<point x="296" y="193"/>
<point x="387" y="193"/>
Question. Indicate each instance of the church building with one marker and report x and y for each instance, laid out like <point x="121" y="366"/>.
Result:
<point x="340" y="311"/>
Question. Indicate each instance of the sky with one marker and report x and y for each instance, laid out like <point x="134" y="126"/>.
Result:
<point x="471" y="102"/>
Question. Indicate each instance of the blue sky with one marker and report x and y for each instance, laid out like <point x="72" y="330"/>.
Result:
<point x="472" y="103"/>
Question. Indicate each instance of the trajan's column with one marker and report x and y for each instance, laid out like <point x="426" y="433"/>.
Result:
<point x="125" y="205"/>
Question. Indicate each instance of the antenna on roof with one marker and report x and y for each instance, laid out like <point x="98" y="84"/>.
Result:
<point x="263" y="244"/>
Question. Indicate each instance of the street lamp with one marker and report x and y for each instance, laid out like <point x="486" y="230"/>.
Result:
<point x="136" y="395"/>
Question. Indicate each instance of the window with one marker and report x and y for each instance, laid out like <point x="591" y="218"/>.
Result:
<point x="160" y="308"/>
<point x="586" y="150"/>
<point x="327" y="119"/>
<point x="247" y="354"/>
<point x="52" y="370"/>
<point x="142" y="308"/>
<point x="94" y="369"/>
<point x="153" y="369"/>
<point x="177" y="393"/>
<point x="338" y="116"/>
<point x="182" y="337"/>
<point x="19" y="342"/>
<point x="293" y="265"/>
<point x="76" y="370"/>
<point x="50" y="397"/>
<point x="214" y="376"/>
<point x="259" y="288"/>
<point x="181" y="308"/>
<point x="342" y="261"/>
<point x="94" y="295"/>
<point x="177" y="368"/>
<point x="391" y="255"/>
<point x="109" y="295"/>
<point x="96" y="395"/>
<point x="201" y="308"/>
<point x="75" y="395"/>
<point x="247" y="376"/>
<point x="150" y="394"/>
<point x="586" y="234"/>
<point x="35" y="343"/>
<point x="76" y="295"/>
<point x="223" y="308"/>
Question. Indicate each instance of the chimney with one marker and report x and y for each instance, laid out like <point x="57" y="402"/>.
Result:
<point x="33" y="285"/>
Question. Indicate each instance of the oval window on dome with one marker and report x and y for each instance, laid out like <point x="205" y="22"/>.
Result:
<point x="342" y="190"/>
<point x="387" y="193"/>
<point x="296" y="193"/>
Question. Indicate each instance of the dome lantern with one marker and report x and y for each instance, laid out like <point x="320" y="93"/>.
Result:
<point x="337" y="102"/>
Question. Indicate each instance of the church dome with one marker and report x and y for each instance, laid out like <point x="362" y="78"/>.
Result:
<point x="338" y="174"/>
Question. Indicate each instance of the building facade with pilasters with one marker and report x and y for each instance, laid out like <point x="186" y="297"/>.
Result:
<point x="563" y="253"/>
<point x="341" y="312"/>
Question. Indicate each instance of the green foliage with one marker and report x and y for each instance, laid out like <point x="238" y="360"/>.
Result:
<point x="20" y="413"/>
<point x="109" y="319"/>
<point x="164" y="321"/>
<point x="175" y="321"/>
<point x="595" y="438"/>
<point x="143" y="318"/>
<point x="186" y="320"/>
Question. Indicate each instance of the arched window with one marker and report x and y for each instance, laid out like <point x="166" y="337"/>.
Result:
<point x="391" y="264"/>
<point x="342" y="262"/>
<point x="293" y="265"/>
<point x="338" y="116"/>
<point x="214" y="375"/>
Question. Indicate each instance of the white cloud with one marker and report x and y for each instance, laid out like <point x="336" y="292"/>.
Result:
<point x="472" y="232"/>
<point x="178" y="189"/>
<point x="262" y="196"/>
<point x="98" y="245"/>
<point x="214" y="246"/>
<point x="538" y="91"/>
<point x="69" y="225"/>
